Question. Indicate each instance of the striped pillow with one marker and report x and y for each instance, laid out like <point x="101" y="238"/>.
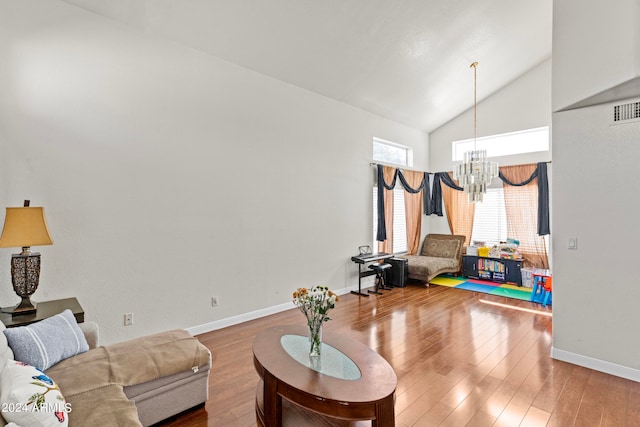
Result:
<point x="45" y="343"/>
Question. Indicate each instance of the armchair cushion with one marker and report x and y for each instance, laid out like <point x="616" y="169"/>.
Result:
<point x="440" y="248"/>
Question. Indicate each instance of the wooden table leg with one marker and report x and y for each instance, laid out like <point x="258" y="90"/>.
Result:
<point x="272" y="401"/>
<point x="385" y="413"/>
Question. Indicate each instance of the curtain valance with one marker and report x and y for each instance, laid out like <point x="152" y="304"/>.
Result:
<point x="432" y="198"/>
<point x="424" y="187"/>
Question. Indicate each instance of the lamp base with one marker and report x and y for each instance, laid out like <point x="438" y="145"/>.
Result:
<point x="24" y="307"/>
<point x="25" y="275"/>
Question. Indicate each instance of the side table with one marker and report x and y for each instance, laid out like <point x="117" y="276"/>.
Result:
<point x="44" y="310"/>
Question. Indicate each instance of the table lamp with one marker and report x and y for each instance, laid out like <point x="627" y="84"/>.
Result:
<point x="25" y="227"/>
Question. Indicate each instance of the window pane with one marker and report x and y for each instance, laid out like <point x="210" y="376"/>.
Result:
<point x="389" y="152"/>
<point x="526" y="141"/>
<point x="529" y="243"/>
<point x="399" y="220"/>
<point x="490" y="218"/>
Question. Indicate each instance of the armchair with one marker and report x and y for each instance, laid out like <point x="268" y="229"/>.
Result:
<point x="440" y="253"/>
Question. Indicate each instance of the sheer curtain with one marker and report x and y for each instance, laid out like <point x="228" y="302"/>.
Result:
<point x="413" y="210"/>
<point x="387" y="245"/>
<point x="459" y="211"/>
<point x="521" y="205"/>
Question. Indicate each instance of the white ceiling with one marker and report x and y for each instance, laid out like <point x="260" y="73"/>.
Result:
<point x="407" y="60"/>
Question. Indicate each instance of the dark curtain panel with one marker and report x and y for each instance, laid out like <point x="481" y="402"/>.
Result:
<point x="426" y="196"/>
<point x="382" y="230"/>
<point x="436" y="195"/>
<point x="543" y="200"/>
<point x="435" y="203"/>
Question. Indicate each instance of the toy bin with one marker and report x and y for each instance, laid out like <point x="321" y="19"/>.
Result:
<point x="483" y="252"/>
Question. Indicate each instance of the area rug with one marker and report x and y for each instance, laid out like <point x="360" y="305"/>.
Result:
<point x="492" y="288"/>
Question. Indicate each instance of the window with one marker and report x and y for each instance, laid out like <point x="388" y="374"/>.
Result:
<point x="490" y="221"/>
<point x="392" y="153"/>
<point x="490" y="218"/>
<point x="399" y="219"/>
<point x="526" y="141"/>
<point x="400" y="155"/>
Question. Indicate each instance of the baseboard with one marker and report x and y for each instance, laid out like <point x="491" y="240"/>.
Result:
<point x="252" y="315"/>
<point x="596" y="364"/>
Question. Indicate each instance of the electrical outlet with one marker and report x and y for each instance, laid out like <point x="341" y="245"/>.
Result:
<point x="214" y="301"/>
<point x="128" y="319"/>
<point x="572" y="243"/>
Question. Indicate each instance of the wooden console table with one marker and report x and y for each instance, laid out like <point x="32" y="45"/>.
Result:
<point x="44" y="310"/>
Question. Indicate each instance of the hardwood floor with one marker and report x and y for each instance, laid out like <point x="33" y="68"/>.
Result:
<point x="459" y="362"/>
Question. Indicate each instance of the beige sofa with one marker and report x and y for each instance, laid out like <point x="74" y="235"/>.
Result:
<point x="134" y="383"/>
<point x="440" y="253"/>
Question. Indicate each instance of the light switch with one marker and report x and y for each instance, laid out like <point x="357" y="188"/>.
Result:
<point x="573" y="243"/>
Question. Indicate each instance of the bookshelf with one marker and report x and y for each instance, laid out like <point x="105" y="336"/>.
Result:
<point x="500" y="270"/>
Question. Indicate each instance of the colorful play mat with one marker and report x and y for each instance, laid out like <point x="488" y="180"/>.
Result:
<point x="492" y="288"/>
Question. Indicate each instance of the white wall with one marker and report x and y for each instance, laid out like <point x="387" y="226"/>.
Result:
<point x="595" y="49"/>
<point x="169" y="176"/>
<point x="523" y="104"/>
<point x="595" y="199"/>
<point x="595" y="192"/>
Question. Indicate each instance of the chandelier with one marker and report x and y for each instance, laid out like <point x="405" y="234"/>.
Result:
<point x="475" y="172"/>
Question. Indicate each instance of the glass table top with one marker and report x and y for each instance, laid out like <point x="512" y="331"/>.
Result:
<point x="332" y="362"/>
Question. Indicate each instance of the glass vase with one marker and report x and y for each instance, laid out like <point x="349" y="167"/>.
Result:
<point x="315" y="338"/>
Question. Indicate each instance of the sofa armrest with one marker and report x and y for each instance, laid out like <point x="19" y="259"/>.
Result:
<point x="90" y="331"/>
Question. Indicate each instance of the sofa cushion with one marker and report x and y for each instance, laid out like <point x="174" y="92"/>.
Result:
<point x="30" y="398"/>
<point x="440" y="248"/>
<point x="47" y="342"/>
<point x="160" y="355"/>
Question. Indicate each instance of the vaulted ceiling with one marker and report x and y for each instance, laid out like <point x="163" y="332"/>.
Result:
<point x="407" y="60"/>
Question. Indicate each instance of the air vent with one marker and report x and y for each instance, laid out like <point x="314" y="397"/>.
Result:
<point x="623" y="113"/>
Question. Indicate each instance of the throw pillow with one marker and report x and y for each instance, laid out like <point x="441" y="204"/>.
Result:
<point x="440" y="248"/>
<point x="47" y="342"/>
<point x="28" y="397"/>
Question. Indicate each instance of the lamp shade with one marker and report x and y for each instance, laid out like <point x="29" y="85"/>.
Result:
<point x="25" y="227"/>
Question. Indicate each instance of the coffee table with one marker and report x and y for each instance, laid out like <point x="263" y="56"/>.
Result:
<point x="350" y="382"/>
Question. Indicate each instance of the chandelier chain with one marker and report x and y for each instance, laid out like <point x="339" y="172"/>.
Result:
<point x="475" y="172"/>
<point x="475" y="104"/>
